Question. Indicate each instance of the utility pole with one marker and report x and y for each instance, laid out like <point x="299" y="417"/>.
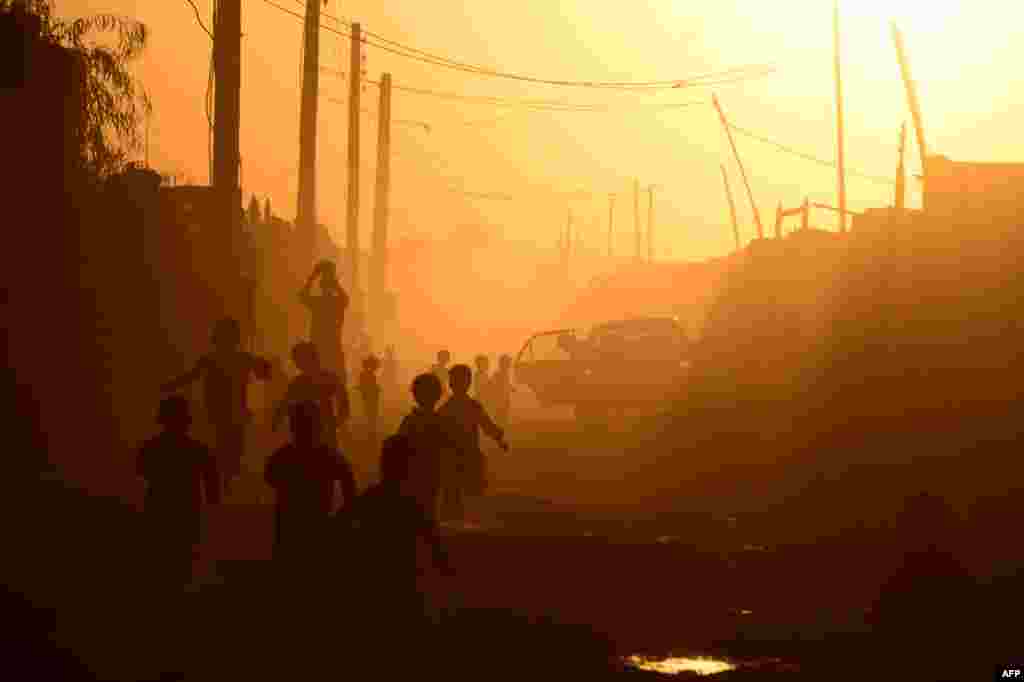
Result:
<point x="805" y="215"/>
<point x="912" y="103"/>
<point x="650" y="223"/>
<point x="380" y="219"/>
<point x="840" y="138"/>
<point x="305" y="212"/>
<point x="636" y="220"/>
<point x="732" y="208"/>
<point x="901" y="174"/>
<point x="228" y="72"/>
<point x="567" y="244"/>
<point x="611" y="216"/>
<point x="743" y="172"/>
<point x="778" y="221"/>
<point x="352" y="222"/>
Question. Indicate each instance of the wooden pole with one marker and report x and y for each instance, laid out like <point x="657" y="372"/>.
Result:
<point x="305" y="212"/>
<point x="227" y="66"/>
<point x="732" y="209"/>
<point x="778" y="221"/>
<point x="743" y="172"/>
<point x="805" y="215"/>
<point x="226" y="156"/>
<point x="636" y="220"/>
<point x="840" y="151"/>
<point x="901" y="174"/>
<point x="611" y="217"/>
<point x="352" y="223"/>
<point x="911" y="90"/>
<point x="380" y="218"/>
<point x="650" y="224"/>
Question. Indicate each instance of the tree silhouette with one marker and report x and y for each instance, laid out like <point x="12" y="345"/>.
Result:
<point x="114" y="103"/>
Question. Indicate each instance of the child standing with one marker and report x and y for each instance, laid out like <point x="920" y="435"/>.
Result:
<point x="303" y="474"/>
<point x="327" y="313"/>
<point x="179" y="472"/>
<point x="470" y="418"/>
<point x="370" y="391"/>
<point x="226" y="373"/>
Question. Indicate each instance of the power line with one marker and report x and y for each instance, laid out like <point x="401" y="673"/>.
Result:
<point x="809" y="157"/>
<point x="536" y="105"/>
<point x="426" y="57"/>
<point x="199" y="19"/>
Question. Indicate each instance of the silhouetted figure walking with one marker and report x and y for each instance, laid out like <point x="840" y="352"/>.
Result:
<point x="317" y="385"/>
<point x="389" y="375"/>
<point x="386" y="523"/>
<point x="303" y="474"/>
<point x="501" y="390"/>
<point x="434" y="440"/>
<point x="179" y="472"/>
<point x="482" y="381"/>
<point x="470" y="417"/>
<point x="277" y="388"/>
<point x="440" y="369"/>
<point x="369" y="389"/>
<point x="226" y="373"/>
<point x="328" y="316"/>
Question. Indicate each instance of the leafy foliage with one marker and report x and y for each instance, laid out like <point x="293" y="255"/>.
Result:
<point x="114" y="102"/>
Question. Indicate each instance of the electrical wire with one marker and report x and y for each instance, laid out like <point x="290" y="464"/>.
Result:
<point x="809" y="157"/>
<point x="426" y="57"/>
<point x="535" y="105"/>
<point x="199" y="19"/>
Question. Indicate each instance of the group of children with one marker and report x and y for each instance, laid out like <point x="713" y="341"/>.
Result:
<point x="494" y="391"/>
<point x="434" y="460"/>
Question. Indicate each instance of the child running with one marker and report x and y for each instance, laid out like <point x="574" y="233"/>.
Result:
<point x="318" y="385"/>
<point x="226" y="373"/>
<point x="389" y="522"/>
<point x="440" y="369"/>
<point x="370" y="391"/>
<point x="303" y="474"/>
<point x="434" y="439"/>
<point x="180" y="473"/>
<point x="482" y="381"/>
<point x="470" y="418"/>
<point x="501" y="390"/>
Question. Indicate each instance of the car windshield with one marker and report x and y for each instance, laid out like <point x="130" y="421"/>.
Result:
<point x="642" y="337"/>
<point x="547" y="347"/>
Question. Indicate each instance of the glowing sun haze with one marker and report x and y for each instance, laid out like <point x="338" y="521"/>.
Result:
<point x="964" y="57"/>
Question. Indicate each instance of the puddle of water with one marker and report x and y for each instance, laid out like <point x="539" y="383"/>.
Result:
<point x="674" y="666"/>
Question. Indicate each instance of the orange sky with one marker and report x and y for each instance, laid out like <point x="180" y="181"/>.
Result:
<point x="962" y="55"/>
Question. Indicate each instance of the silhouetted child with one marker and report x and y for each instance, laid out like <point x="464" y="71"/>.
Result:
<point x="389" y="375"/>
<point x="328" y="316"/>
<point x="482" y="381"/>
<point x="387" y="523"/>
<point x="501" y="390"/>
<point x="303" y="474"/>
<point x="226" y="373"/>
<point x="179" y="472"/>
<point x="440" y="369"/>
<point x="470" y="418"/>
<point x="434" y="440"/>
<point x="370" y="391"/>
<point x="277" y="388"/>
<point x="318" y="385"/>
